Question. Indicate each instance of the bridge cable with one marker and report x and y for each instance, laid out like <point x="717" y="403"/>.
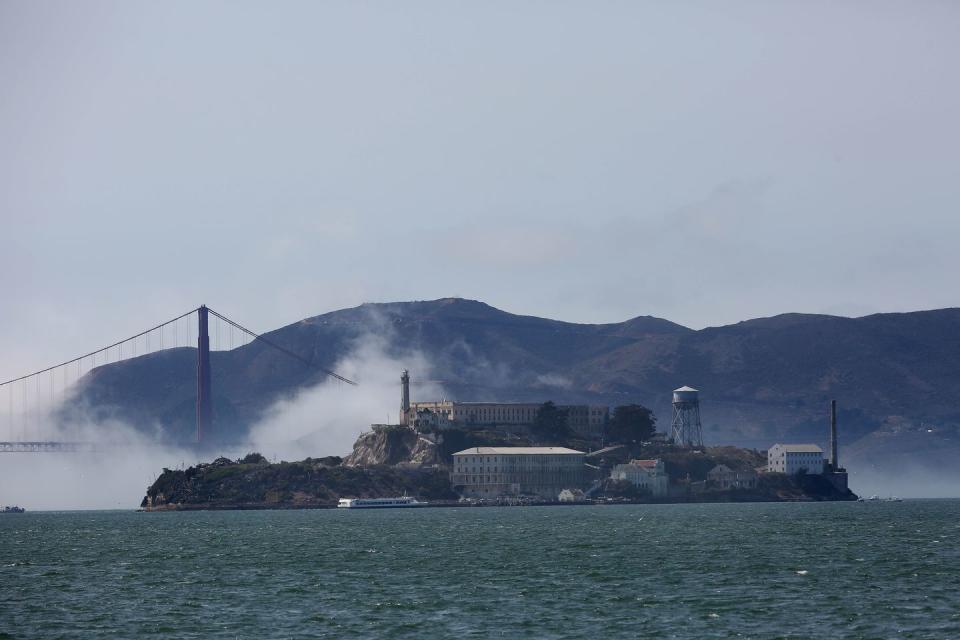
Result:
<point x="293" y="355"/>
<point x="87" y="355"/>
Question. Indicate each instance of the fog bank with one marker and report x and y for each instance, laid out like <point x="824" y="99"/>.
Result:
<point x="319" y="421"/>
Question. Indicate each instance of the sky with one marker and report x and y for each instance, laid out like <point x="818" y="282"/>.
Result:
<point x="588" y="161"/>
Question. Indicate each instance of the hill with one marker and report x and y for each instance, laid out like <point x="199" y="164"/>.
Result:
<point x="760" y="380"/>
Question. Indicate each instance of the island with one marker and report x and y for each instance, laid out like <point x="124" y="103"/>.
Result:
<point x="402" y="460"/>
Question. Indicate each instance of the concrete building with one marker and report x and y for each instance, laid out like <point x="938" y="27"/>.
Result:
<point x="723" y="477"/>
<point x="794" y="458"/>
<point x="586" y="418"/>
<point x="581" y="418"/>
<point x="426" y="418"/>
<point x="489" y="472"/>
<point x="646" y="474"/>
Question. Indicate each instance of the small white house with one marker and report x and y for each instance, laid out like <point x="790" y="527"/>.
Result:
<point x="646" y="474"/>
<point x="794" y="458"/>
<point x="723" y="477"/>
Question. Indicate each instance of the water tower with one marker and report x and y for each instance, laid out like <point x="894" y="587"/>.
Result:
<point x="686" y="428"/>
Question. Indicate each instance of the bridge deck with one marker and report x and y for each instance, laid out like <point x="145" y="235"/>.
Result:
<point x="73" y="447"/>
<point x="44" y="446"/>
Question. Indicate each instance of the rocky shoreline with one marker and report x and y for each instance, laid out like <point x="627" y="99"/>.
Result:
<point x="391" y="462"/>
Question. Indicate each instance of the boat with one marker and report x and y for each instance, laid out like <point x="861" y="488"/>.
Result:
<point x="13" y="509"/>
<point x="379" y="503"/>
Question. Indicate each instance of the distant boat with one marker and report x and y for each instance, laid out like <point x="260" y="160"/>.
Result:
<point x="379" y="503"/>
<point x="13" y="509"/>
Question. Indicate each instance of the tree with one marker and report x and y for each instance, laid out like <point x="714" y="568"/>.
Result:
<point x="551" y="421"/>
<point x="631" y="423"/>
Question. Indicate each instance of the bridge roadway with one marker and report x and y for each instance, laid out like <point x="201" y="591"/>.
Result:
<point x="84" y="447"/>
<point x="46" y="446"/>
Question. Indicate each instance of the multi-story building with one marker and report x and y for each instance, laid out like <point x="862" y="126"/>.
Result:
<point x="586" y="418"/>
<point x="646" y="474"/>
<point x="794" y="458"/>
<point x="489" y="472"/>
<point x="580" y="418"/>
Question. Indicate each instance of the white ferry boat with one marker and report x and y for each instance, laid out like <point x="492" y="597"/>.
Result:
<point x="378" y="503"/>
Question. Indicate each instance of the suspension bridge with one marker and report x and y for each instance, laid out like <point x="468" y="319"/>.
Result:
<point x="33" y="399"/>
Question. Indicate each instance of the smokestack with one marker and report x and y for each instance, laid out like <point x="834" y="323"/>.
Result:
<point x="834" y="463"/>
<point x="404" y="396"/>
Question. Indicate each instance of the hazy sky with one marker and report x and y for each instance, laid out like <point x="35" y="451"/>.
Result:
<point x="705" y="162"/>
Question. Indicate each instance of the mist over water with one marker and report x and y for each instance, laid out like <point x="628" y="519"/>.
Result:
<point x="326" y="419"/>
<point x="318" y="421"/>
<point x="114" y="475"/>
<point x="906" y="480"/>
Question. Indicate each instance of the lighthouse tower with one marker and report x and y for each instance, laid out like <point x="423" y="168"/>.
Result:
<point x="404" y="397"/>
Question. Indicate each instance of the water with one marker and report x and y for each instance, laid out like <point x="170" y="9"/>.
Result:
<point x="888" y="570"/>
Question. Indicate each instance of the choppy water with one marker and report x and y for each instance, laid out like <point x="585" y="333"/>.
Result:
<point x="670" y="571"/>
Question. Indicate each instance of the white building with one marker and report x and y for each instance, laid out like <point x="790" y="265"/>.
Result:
<point x="488" y="472"/>
<point x="571" y="495"/>
<point x="646" y="474"/>
<point x="793" y="458"/>
<point x="427" y="418"/>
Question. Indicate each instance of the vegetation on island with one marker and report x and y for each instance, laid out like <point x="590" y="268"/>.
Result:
<point x="551" y="422"/>
<point x="253" y="482"/>
<point x="631" y="424"/>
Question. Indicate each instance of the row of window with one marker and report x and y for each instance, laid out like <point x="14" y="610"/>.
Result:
<point x="487" y="479"/>
<point x="539" y="457"/>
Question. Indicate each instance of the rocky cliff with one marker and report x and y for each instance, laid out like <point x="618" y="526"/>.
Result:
<point x="393" y="445"/>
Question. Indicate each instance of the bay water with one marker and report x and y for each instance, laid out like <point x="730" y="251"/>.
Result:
<point x="826" y="570"/>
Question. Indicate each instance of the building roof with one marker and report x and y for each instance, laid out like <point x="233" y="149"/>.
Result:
<point x="491" y="451"/>
<point x="497" y="404"/>
<point x="684" y="388"/>
<point x="528" y="405"/>
<point x="720" y="468"/>
<point x="799" y="448"/>
<point x="646" y="464"/>
<point x="605" y="450"/>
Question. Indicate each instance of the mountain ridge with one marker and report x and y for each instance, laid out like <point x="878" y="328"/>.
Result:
<point x="760" y="379"/>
